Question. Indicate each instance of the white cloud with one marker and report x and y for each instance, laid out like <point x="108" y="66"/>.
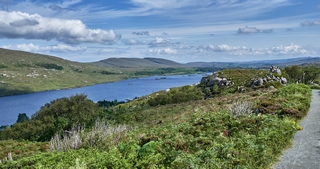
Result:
<point x="26" y="26"/>
<point x="248" y="30"/>
<point x="291" y="49"/>
<point x="134" y="42"/>
<point x="160" y="42"/>
<point x="30" y="47"/>
<point x="67" y="48"/>
<point x="165" y="51"/>
<point x="308" y="23"/>
<point x="146" y="33"/>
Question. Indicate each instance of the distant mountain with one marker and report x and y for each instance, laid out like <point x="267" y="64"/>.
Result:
<point x="137" y="63"/>
<point x="163" y="63"/>
<point x="258" y="64"/>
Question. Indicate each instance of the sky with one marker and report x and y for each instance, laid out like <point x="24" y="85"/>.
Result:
<point x="179" y="30"/>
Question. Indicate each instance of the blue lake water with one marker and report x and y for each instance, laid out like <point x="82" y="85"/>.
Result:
<point x="11" y="106"/>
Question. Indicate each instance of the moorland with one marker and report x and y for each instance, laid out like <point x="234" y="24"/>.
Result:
<point x="211" y="125"/>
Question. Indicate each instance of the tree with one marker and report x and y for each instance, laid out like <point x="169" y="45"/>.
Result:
<point x="54" y="117"/>
<point x="295" y="73"/>
<point x="22" y="117"/>
<point x="310" y="74"/>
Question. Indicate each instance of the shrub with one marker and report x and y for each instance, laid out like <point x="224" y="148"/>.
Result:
<point x="176" y="95"/>
<point x="96" y="137"/>
<point x="241" y="108"/>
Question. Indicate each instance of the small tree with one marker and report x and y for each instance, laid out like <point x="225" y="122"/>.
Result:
<point x="22" y="117"/>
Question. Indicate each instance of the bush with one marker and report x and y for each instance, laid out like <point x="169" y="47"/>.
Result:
<point x="54" y="117"/>
<point x="50" y="66"/>
<point x="176" y="95"/>
<point x="241" y="108"/>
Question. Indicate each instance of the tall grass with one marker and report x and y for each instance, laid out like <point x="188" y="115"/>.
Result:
<point x="78" y="137"/>
<point x="241" y="108"/>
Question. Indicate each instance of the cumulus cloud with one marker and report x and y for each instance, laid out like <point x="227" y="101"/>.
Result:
<point x="23" y="25"/>
<point x="146" y="33"/>
<point x="248" y="30"/>
<point x="67" y="48"/>
<point x="183" y="46"/>
<point x="134" y="42"/>
<point x="291" y="49"/>
<point x="308" y="23"/>
<point x="219" y="48"/>
<point x="37" y="48"/>
<point x="165" y="33"/>
<point x="165" y="51"/>
<point x="24" y="22"/>
<point x="159" y="42"/>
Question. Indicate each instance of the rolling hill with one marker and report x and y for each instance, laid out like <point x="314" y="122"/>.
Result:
<point x="258" y="64"/>
<point x="137" y="63"/>
<point x="24" y="72"/>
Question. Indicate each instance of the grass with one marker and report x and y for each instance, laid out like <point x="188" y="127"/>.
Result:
<point x="210" y="133"/>
<point x="23" y="72"/>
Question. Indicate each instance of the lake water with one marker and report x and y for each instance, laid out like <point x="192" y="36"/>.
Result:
<point x="11" y="106"/>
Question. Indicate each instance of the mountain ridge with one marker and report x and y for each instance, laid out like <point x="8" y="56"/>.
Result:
<point x="160" y="63"/>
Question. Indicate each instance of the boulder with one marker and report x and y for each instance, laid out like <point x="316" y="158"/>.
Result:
<point x="275" y="69"/>
<point x="257" y="82"/>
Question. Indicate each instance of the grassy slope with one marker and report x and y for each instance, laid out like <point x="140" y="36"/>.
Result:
<point x="20" y="73"/>
<point x="198" y="133"/>
<point x="138" y="63"/>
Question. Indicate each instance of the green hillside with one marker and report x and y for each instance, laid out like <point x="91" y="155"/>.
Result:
<point x="23" y="72"/>
<point x="138" y="63"/>
<point x="176" y="128"/>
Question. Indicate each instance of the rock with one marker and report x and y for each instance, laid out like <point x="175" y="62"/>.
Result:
<point x="284" y="80"/>
<point x="275" y="69"/>
<point x="204" y="80"/>
<point x="210" y="82"/>
<point x="257" y="82"/>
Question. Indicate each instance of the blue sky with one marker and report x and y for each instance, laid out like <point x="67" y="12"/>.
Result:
<point x="179" y="30"/>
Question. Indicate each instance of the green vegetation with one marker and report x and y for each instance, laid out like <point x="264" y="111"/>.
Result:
<point x="303" y="74"/>
<point x="23" y="72"/>
<point x="54" y="117"/>
<point x="176" y="128"/>
<point x="177" y="95"/>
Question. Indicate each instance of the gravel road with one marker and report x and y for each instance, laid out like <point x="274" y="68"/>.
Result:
<point x="305" y="151"/>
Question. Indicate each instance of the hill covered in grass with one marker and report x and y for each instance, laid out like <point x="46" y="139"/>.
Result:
<point x="23" y="72"/>
<point x="176" y="128"/>
<point x="138" y="63"/>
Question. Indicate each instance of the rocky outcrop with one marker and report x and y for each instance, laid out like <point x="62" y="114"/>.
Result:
<point x="274" y="70"/>
<point x="274" y="75"/>
<point x="211" y="81"/>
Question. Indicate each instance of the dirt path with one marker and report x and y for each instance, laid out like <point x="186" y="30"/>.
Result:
<point x="305" y="151"/>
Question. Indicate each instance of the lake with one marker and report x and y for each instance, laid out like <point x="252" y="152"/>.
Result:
<point x="11" y="106"/>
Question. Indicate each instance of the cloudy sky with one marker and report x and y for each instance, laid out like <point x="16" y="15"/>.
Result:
<point x="179" y="30"/>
